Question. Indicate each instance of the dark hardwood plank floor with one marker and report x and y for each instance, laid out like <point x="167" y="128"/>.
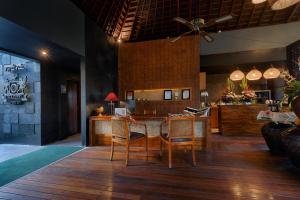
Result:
<point x="234" y="168"/>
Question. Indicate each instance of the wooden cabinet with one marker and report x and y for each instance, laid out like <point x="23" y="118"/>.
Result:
<point x="240" y="119"/>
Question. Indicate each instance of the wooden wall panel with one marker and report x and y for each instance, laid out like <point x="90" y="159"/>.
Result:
<point x="161" y="64"/>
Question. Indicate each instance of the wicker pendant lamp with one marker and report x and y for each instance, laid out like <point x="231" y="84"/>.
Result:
<point x="258" y="1"/>
<point x="271" y="73"/>
<point x="281" y="4"/>
<point x="254" y="75"/>
<point x="237" y="75"/>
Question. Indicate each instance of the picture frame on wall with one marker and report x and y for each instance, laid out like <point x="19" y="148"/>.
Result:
<point x="167" y="94"/>
<point x="185" y="94"/>
<point x="130" y="95"/>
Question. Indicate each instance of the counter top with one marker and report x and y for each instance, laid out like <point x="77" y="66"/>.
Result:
<point x="145" y="117"/>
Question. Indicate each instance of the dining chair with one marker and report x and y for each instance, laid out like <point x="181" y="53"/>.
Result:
<point x="180" y="130"/>
<point x="122" y="134"/>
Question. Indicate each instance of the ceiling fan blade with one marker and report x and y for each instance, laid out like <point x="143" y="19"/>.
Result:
<point x="224" y="18"/>
<point x="184" y="21"/>
<point x="218" y="20"/>
<point x="206" y="36"/>
<point x="177" y="38"/>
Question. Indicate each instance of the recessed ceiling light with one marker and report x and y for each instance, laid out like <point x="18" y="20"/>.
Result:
<point x="44" y="52"/>
<point x="119" y="40"/>
<point x="219" y="31"/>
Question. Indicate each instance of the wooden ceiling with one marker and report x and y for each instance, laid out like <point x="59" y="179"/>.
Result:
<point x="137" y="20"/>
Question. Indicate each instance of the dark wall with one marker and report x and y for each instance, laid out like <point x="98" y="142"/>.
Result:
<point x="100" y="73"/>
<point x="293" y="54"/>
<point x="101" y="66"/>
<point x="57" y="20"/>
<point x="54" y="103"/>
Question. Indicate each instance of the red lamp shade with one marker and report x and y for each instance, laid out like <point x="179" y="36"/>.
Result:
<point x="111" y="97"/>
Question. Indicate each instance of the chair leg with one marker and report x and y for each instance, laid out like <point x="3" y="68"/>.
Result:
<point x="127" y="154"/>
<point x="193" y="154"/>
<point x="112" y="150"/>
<point x="170" y="155"/>
<point x="146" y="143"/>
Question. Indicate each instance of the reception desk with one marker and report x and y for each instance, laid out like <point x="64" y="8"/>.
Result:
<point x="100" y="129"/>
<point x="240" y="119"/>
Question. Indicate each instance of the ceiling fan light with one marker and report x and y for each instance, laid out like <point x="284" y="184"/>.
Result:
<point x="254" y="75"/>
<point x="237" y="75"/>
<point x="282" y="4"/>
<point x="272" y="72"/>
<point x="258" y="1"/>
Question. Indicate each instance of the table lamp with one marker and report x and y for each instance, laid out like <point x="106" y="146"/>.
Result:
<point x="111" y="97"/>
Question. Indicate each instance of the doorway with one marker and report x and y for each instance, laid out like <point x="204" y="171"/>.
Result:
<point x="73" y="95"/>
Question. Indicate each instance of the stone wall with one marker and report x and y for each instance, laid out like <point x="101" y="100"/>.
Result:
<point x="21" y="123"/>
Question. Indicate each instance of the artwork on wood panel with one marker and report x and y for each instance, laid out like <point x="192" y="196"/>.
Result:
<point x="167" y="94"/>
<point x="129" y="95"/>
<point x="15" y="87"/>
<point x="185" y="94"/>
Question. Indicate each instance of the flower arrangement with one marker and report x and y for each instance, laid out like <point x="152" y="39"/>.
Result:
<point x="292" y="86"/>
<point x="247" y="93"/>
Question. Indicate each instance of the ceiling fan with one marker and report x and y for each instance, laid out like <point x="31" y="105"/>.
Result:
<point x="198" y="24"/>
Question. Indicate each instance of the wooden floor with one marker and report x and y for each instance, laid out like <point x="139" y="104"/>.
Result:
<point x="235" y="168"/>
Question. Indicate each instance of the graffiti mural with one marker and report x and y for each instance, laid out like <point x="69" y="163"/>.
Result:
<point x="15" y="87"/>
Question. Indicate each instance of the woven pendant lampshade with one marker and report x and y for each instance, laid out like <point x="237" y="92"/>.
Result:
<point x="254" y="75"/>
<point x="237" y="75"/>
<point x="281" y="4"/>
<point x="272" y="72"/>
<point x="258" y="1"/>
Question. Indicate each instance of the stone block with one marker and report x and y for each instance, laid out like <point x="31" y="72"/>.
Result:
<point x="37" y="129"/>
<point x="6" y="128"/>
<point x="1" y="70"/>
<point x="29" y="107"/>
<point x="26" y="119"/>
<point x="5" y="59"/>
<point x="1" y="118"/>
<point x="23" y="129"/>
<point x="6" y="118"/>
<point x="37" y="87"/>
<point x="14" y="118"/>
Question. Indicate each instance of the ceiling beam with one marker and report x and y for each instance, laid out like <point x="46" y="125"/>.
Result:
<point x="293" y="12"/>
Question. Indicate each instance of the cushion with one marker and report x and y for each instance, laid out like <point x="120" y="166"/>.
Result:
<point x="166" y="137"/>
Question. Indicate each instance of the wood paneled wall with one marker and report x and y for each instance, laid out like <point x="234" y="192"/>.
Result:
<point x="161" y="64"/>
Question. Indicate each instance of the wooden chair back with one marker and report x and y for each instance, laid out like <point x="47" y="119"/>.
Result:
<point x="181" y="126"/>
<point x="120" y="128"/>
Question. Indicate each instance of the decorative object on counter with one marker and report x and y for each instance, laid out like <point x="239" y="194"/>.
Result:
<point x="277" y="4"/>
<point x="248" y="95"/>
<point x="254" y="75"/>
<point x="100" y="110"/>
<point x="273" y="105"/>
<point x="277" y="117"/>
<point x="15" y="87"/>
<point x="120" y="112"/>
<point x="185" y="94"/>
<point x="204" y="94"/>
<point x="262" y="95"/>
<point x="111" y="97"/>
<point x="167" y="94"/>
<point x="237" y="75"/>
<point x="130" y="95"/>
<point x="176" y="95"/>
<point x="271" y="73"/>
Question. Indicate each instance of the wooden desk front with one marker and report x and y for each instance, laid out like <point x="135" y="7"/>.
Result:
<point x="100" y="129"/>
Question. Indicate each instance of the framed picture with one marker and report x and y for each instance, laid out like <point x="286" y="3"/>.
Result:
<point x="129" y="95"/>
<point x="167" y="94"/>
<point x="185" y="94"/>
